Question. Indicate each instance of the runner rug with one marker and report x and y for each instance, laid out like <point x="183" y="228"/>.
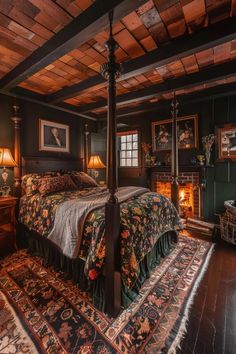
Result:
<point x="40" y="312"/>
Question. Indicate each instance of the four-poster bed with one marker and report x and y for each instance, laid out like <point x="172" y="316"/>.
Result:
<point x="114" y="211"/>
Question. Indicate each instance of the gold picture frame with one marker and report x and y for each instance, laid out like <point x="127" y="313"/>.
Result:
<point x="187" y="133"/>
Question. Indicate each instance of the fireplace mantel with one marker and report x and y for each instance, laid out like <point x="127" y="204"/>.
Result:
<point x="182" y="168"/>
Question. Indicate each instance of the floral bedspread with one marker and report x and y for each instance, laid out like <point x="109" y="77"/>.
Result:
<point x="143" y="220"/>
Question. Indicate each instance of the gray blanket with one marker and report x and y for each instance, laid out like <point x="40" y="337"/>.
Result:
<point x="70" y="217"/>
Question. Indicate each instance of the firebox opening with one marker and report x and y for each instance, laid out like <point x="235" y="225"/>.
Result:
<point x="186" y="197"/>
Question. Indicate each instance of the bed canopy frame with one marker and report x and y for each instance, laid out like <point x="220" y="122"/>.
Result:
<point x="110" y="70"/>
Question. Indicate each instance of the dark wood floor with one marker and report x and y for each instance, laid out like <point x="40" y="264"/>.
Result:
<point x="212" y="321"/>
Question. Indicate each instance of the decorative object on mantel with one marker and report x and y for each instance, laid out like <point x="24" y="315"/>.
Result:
<point x="207" y="142"/>
<point x="201" y="159"/>
<point x="153" y="160"/>
<point x="146" y="147"/>
<point x="6" y="160"/>
<point x="94" y="164"/>
<point x="227" y="142"/>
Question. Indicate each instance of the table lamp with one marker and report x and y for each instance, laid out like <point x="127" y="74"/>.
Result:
<point x="94" y="164"/>
<point x="6" y="160"/>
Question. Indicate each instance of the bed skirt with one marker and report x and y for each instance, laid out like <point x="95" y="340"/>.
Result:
<point x="74" y="268"/>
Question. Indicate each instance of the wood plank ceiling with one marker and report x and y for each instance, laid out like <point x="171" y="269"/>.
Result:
<point x="26" y="25"/>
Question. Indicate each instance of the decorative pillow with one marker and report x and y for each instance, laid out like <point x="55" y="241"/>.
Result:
<point x="30" y="181"/>
<point x="49" y="185"/>
<point x="83" y="180"/>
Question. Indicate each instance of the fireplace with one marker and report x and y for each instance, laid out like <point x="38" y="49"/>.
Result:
<point x="189" y="191"/>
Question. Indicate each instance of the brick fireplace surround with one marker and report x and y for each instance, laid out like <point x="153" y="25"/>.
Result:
<point x="189" y="190"/>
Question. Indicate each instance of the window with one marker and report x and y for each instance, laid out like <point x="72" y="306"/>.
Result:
<point x="128" y="149"/>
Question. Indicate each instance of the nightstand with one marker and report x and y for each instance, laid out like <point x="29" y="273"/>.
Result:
<point x="7" y="224"/>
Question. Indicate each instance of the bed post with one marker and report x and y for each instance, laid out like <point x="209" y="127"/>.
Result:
<point x="86" y="134"/>
<point x="17" y="152"/>
<point x="110" y="71"/>
<point x="174" y="159"/>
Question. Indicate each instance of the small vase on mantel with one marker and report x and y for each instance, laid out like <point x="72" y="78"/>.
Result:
<point x="207" y="142"/>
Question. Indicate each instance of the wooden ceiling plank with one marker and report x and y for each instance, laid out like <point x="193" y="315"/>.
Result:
<point x="128" y="43"/>
<point x="222" y="52"/>
<point x="132" y="21"/>
<point x="218" y="10"/>
<point x="148" y="43"/>
<point x="177" y="28"/>
<point x="194" y="10"/>
<point x="84" y="4"/>
<point x="27" y="7"/>
<point x="190" y="64"/>
<point x="52" y="9"/>
<point x="205" y="57"/>
<point x="163" y="5"/>
<point x="77" y="32"/>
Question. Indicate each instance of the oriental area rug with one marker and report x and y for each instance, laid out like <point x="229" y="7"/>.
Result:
<point x="41" y="312"/>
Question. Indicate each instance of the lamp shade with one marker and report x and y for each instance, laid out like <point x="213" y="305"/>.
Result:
<point x="95" y="162"/>
<point x="6" y="159"/>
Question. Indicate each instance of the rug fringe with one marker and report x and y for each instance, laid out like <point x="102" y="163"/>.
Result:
<point x="183" y="326"/>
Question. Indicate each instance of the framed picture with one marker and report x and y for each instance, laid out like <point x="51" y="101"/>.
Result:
<point x="187" y="130"/>
<point x="53" y="136"/>
<point x="227" y="142"/>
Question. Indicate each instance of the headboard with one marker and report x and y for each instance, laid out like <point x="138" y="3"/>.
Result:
<point x="32" y="164"/>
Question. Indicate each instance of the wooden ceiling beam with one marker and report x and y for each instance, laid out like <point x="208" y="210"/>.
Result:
<point x="205" y="38"/>
<point x="81" y="29"/>
<point x="29" y="96"/>
<point x="202" y="95"/>
<point x="212" y="74"/>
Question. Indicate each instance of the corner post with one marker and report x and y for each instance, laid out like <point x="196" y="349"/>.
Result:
<point x="86" y="134"/>
<point x="17" y="152"/>
<point x="174" y="159"/>
<point x="110" y="71"/>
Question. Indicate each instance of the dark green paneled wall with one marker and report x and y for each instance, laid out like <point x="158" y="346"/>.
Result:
<point x="221" y="180"/>
<point x="30" y="114"/>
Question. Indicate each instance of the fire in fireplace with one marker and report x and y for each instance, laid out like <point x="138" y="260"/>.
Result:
<point x="189" y="192"/>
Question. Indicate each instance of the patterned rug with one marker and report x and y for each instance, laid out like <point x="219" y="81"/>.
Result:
<point x="40" y="312"/>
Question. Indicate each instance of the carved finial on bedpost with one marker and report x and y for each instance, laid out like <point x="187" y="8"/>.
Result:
<point x="17" y="151"/>
<point x="86" y="134"/>
<point x="174" y="159"/>
<point x="111" y="70"/>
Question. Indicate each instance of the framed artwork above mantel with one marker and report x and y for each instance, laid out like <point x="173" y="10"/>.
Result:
<point x="54" y="137"/>
<point x="187" y="133"/>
